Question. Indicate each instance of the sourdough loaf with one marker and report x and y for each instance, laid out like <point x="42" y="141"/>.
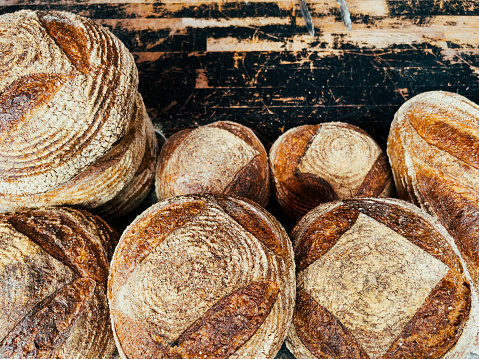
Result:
<point x="202" y="276"/>
<point x="73" y="129"/>
<point x="53" y="279"/>
<point x="222" y="157"/>
<point x="433" y="147"/>
<point x="314" y="164"/>
<point x="379" y="278"/>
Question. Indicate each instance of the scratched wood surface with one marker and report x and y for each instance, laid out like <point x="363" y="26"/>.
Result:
<point x="255" y="63"/>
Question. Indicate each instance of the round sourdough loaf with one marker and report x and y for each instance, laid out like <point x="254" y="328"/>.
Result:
<point x="433" y="148"/>
<point x="73" y="127"/>
<point x="53" y="281"/>
<point x="379" y="278"/>
<point x="314" y="164"/>
<point x="222" y="157"/>
<point x="202" y="276"/>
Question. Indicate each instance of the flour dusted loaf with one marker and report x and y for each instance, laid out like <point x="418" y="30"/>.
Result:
<point x="202" y="276"/>
<point x="379" y="278"/>
<point x="222" y="157"/>
<point x="433" y="147"/>
<point x="314" y="164"/>
<point x="53" y="281"/>
<point x="74" y="129"/>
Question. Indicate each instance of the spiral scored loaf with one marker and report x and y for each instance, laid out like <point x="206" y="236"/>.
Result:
<point x="379" y="278"/>
<point x="202" y="276"/>
<point x="314" y="164"/>
<point x="73" y="127"/>
<point x="433" y="148"/>
<point x="222" y="157"/>
<point x="53" y="279"/>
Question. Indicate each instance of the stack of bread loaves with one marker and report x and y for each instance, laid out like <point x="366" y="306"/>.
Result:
<point x="73" y="127"/>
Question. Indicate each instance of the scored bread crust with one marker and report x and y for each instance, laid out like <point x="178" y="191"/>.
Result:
<point x="443" y="324"/>
<point x="202" y="275"/>
<point x="54" y="264"/>
<point x="432" y="147"/>
<point x="73" y="123"/>
<point x="314" y="164"/>
<point x="221" y="157"/>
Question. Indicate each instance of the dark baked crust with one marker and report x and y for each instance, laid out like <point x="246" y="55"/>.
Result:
<point x="437" y="324"/>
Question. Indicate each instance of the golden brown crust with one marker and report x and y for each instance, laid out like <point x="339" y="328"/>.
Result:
<point x="229" y="323"/>
<point x="202" y="274"/>
<point x="38" y="335"/>
<point x="316" y="164"/>
<point x="322" y="333"/>
<point x="437" y="325"/>
<point x="432" y="147"/>
<point x="189" y="164"/>
<point x="386" y="277"/>
<point x="56" y="263"/>
<point x="321" y="234"/>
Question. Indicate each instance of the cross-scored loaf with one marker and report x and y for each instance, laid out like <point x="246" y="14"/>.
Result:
<point x="379" y="278"/>
<point x="73" y="127"/>
<point x="202" y="276"/>
<point x="314" y="164"/>
<point x="222" y="157"/>
<point x="53" y="281"/>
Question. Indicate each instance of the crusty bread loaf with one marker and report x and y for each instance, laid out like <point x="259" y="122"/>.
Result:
<point x="313" y="164"/>
<point x="53" y="279"/>
<point x="73" y="126"/>
<point x="222" y="157"/>
<point x="379" y="278"/>
<point x="433" y="147"/>
<point x="202" y="276"/>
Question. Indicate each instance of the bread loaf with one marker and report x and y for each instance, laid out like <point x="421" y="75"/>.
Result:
<point x="53" y="278"/>
<point x="379" y="278"/>
<point x="222" y="157"/>
<point x="314" y="164"/>
<point x="433" y="148"/>
<point x="202" y="276"/>
<point x="73" y="127"/>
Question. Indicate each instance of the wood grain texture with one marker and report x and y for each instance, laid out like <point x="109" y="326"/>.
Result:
<point x="54" y="268"/>
<point x="206" y="285"/>
<point x="364" y="283"/>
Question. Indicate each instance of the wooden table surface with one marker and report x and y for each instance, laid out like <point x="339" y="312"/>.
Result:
<point x="254" y="62"/>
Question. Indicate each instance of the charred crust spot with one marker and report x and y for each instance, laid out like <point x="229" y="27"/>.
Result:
<point x="69" y="37"/>
<point x="254" y="222"/>
<point x="64" y="239"/>
<point x="148" y="232"/>
<point x="438" y="324"/>
<point x="229" y="323"/>
<point x="321" y="332"/>
<point x="47" y="326"/>
<point x="322" y="234"/>
<point x="408" y="224"/>
<point x="24" y="95"/>
<point x="376" y="179"/>
<point x="249" y="181"/>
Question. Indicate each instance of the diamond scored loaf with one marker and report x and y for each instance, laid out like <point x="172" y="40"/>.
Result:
<point x="202" y="276"/>
<point x="379" y="278"/>
<point x="73" y="127"/>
